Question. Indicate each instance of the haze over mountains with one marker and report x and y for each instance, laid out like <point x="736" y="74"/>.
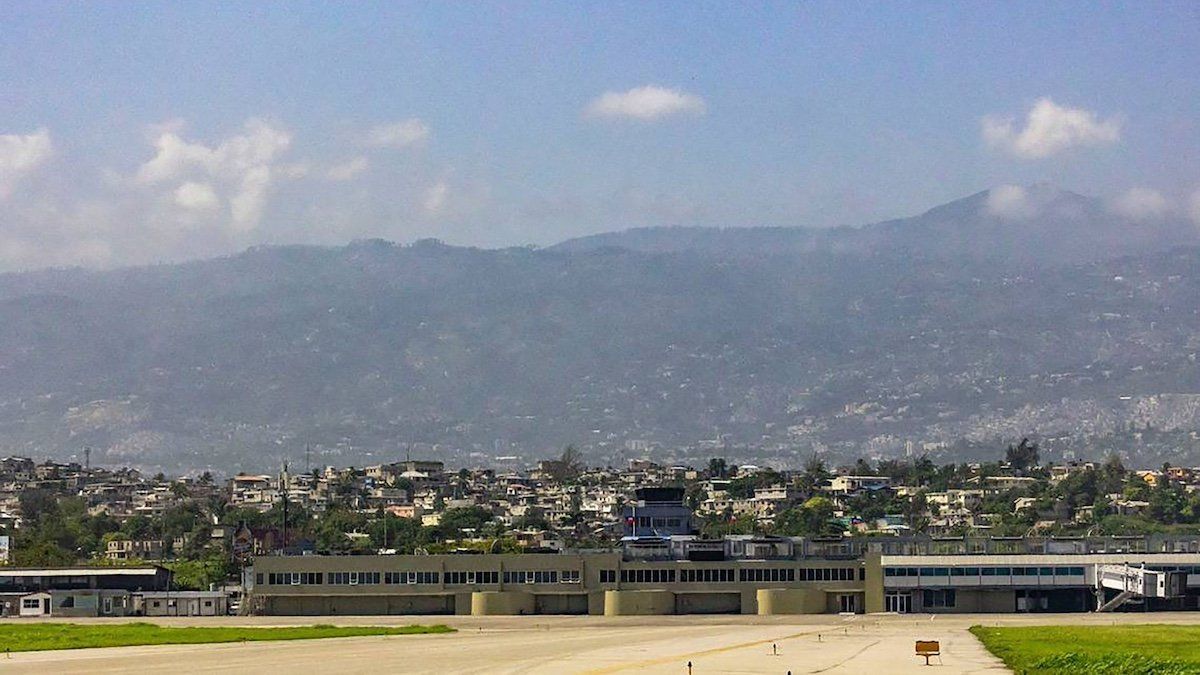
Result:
<point x="1010" y="312"/>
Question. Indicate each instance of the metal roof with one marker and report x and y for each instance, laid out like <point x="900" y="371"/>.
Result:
<point x="78" y="571"/>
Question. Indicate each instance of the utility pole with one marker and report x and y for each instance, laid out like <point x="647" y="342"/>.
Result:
<point x="283" y="480"/>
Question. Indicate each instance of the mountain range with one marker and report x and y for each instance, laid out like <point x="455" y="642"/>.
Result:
<point x="1011" y="312"/>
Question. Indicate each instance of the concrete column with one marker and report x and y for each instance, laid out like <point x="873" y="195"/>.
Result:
<point x="501" y="603"/>
<point x="776" y="601"/>
<point x="873" y="585"/>
<point x="638" y="603"/>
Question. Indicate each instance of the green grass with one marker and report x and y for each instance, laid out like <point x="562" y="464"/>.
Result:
<point x="29" y="637"/>
<point x="1151" y="649"/>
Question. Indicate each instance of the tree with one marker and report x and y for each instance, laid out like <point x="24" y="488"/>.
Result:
<point x="863" y="468"/>
<point x="567" y="467"/>
<point x="454" y="521"/>
<point x="1023" y="456"/>
<point x="812" y="518"/>
<point x="718" y="468"/>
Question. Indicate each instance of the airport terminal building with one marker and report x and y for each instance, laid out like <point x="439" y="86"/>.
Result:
<point x="684" y="574"/>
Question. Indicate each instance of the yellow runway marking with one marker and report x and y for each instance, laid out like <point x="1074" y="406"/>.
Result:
<point x="707" y="652"/>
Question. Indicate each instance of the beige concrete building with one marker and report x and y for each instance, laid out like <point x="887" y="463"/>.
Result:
<point x="594" y="583"/>
<point x="746" y="575"/>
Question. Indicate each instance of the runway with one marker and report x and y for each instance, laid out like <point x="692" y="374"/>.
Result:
<point x="587" y="645"/>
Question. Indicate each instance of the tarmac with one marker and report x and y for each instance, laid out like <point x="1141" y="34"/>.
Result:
<point x="876" y="644"/>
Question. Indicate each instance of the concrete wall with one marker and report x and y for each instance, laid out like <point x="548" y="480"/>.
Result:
<point x="708" y="603"/>
<point x="501" y="603"/>
<point x="980" y="601"/>
<point x="300" y="605"/>
<point x="773" y="601"/>
<point x="873" y="585"/>
<point x="595" y="603"/>
<point x="635" y="603"/>
<point x="562" y="603"/>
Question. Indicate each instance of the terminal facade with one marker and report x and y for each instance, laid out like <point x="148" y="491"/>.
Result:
<point x="684" y="574"/>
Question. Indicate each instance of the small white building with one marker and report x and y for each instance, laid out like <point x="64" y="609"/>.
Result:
<point x="184" y="603"/>
<point x="35" y="604"/>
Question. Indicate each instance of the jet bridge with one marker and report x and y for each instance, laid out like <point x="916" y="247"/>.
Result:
<point x="1135" y="583"/>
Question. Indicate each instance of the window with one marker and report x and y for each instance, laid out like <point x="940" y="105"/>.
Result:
<point x="531" y="577"/>
<point x="410" y="578"/>
<point x="571" y="576"/>
<point x="938" y="598"/>
<point x="30" y="603"/>
<point x="608" y="576"/>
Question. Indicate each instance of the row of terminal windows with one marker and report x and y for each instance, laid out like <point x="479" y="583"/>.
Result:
<point x="410" y="577"/>
<point x="772" y="574"/>
<point x="292" y="578"/>
<point x="353" y="578"/>
<point x="706" y="575"/>
<point x="1169" y="568"/>
<point x="531" y="577"/>
<point x="647" y="521"/>
<point x="983" y="571"/>
<point x="722" y="575"/>
<point x="648" y="576"/>
<point x="460" y="578"/>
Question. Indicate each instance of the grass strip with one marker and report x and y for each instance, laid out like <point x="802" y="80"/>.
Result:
<point x="45" y="636"/>
<point x="1150" y="649"/>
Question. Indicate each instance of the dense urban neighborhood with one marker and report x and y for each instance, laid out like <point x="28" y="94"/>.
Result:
<point x="206" y="529"/>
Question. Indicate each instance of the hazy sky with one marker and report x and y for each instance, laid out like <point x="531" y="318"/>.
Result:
<point x="144" y="132"/>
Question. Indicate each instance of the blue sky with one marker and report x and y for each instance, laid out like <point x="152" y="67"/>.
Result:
<point x="143" y="132"/>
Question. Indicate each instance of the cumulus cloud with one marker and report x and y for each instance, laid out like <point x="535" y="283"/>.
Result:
<point x="435" y="197"/>
<point x="239" y="170"/>
<point x="347" y="170"/>
<point x="1049" y="129"/>
<point x="196" y="196"/>
<point x="1011" y="202"/>
<point x="20" y="155"/>
<point x="647" y="104"/>
<point x="398" y="134"/>
<point x="1141" y="204"/>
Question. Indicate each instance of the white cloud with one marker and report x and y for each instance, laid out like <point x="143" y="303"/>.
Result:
<point x="1049" y="129"/>
<point x="21" y="155"/>
<point x="347" y="170"/>
<point x="398" y="134"/>
<point x="435" y="197"/>
<point x="1141" y="204"/>
<point x="246" y="205"/>
<point x="646" y="103"/>
<point x="196" y="196"/>
<point x="239" y="169"/>
<point x="1011" y="202"/>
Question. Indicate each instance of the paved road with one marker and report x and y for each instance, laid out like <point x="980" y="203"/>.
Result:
<point x="593" y="645"/>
